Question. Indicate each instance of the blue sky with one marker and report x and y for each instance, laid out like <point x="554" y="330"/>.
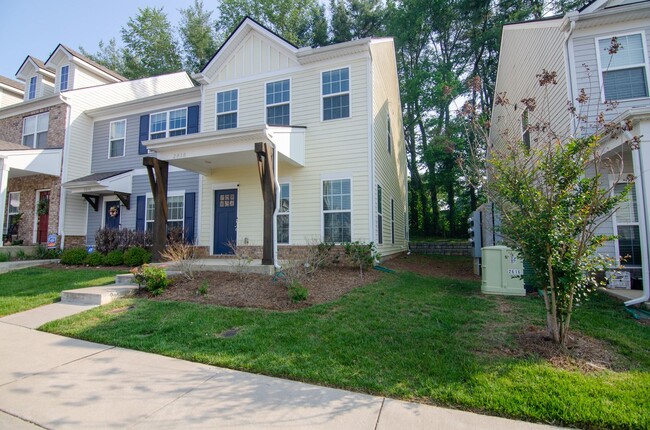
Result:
<point x="36" y="27"/>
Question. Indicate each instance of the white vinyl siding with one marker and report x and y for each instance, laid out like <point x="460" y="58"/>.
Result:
<point x="117" y="139"/>
<point x="623" y="70"/>
<point x="284" y="214"/>
<point x="337" y="211"/>
<point x="227" y="105"/>
<point x="336" y="93"/>
<point x="278" y="102"/>
<point x="35" y="130"/>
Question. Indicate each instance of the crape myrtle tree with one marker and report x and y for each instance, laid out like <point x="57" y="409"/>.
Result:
<point x="552" y="196"/>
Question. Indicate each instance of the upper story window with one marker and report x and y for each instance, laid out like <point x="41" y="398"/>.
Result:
<point x="63" y="76"/>
<point x="336" y="94"/>
<point x="32" y="88"/>
<point x="227" y="109"/>
<point x="337" y="211"/>
<point x="278" y="100"/>
<point x="168" y="124"/>
<point x="623" y="67"/>
<point x="35" y="130"/>
<point x="117" y="139"/>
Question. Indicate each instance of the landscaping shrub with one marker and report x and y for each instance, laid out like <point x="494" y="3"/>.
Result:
<point x="136" y="256"/>
<point x="5" y="256"/>
<point x="153" y="278"/>
<point x="94" y="259"/>
<point x="110" y="239"/>
<point x="106" y="240"/>
<point x="21" y="255"/>
<point x="74" y="256"/>
<point x="114" y="258"/>
<point x="297" y="292"/>
<point x="362" y="255"/>
<point x="42" y="253"/>
<point x="183" y="255"/>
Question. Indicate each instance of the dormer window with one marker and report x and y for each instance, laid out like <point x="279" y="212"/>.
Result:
<point x="32" y="88"/>
<point x="63" y="76"/>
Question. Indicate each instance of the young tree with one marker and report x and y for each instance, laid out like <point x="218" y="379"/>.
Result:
<point x="197" y="34"/>
<point x="149" y="45"/>
<point x="108" y="55"/>
<point x="551" y="200"/>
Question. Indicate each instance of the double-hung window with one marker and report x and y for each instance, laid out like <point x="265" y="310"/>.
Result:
<point x="13" y="211"/>
<point x="227" y="109"/>
<point x="63" y="77"/>
<point x="337" y="211"/>
<point x="117" y="139"/>
<point x="278" y="101"/>
<point x="284" y="211"/>
<point x="389" y="133"/>
<point x="627" y="227"/>
<point x="32" y="88"/>
<point x="168" y="124"/>
<point x="175" y="212"/>
<point x="336" y="94"/>
<point x="623" y="70"/>
<point x="380" y="216"/>
<point x="35" y="130"/>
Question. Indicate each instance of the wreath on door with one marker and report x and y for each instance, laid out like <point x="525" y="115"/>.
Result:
<point x="114" y="211"/>
<point x="43" y="207"/>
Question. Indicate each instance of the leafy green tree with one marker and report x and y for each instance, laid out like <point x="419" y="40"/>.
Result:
<point x="150" y="47"/>
<point x="319" y="35"/>
<point x="197" y="34"/>
<point x="108" y="55"/>
<point x="366" y="18"/>
<point x="341" y="27"/>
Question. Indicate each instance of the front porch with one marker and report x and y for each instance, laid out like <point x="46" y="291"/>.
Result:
<point x="230" y="161"/>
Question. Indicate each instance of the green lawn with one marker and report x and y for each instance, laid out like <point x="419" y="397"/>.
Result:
<point x="29" y="288"/>
<point x="407" y="337"/>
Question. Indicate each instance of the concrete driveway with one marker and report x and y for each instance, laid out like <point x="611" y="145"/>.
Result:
<point x="49" y="381"/>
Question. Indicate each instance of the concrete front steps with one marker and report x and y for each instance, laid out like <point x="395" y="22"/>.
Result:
<point x="97" y="295"/>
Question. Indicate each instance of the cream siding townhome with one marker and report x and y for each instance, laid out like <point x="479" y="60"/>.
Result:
<point x="324" y="112"/>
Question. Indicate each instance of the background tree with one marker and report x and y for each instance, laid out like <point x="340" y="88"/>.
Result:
<point x="150" y="47"/>
<point x="108" y="55"/>
<point x="197" y="34"/>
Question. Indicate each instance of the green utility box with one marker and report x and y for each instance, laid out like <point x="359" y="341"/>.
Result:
<point x="502" y="272"/>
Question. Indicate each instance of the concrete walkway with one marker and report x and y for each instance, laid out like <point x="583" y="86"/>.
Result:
<point x="54" y="382"/>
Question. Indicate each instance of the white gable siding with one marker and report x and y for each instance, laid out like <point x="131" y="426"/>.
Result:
<point x="8" y="98"/>
<point x="78" y="147"/>
<point x="84" y="78"/>
<point x="525" y="52"/>
<point x="46" y="87"/>
<point x="390" y="168"/>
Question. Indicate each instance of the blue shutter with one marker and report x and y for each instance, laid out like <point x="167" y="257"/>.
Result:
<point x="144" y="134"/>
<point x="189" y="216"/>
<point x="193" y="119"/>
<point x="140" y="212"/>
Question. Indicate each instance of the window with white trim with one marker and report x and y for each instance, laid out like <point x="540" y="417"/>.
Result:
<point x="175" y="212"/>
<point x="336" y="94"/>
<point x="13" y="210"/>
<point x="337" y="211"/>
<point x="380" y="216"/>
<point x="284" y="213"/>
<point x="63" y="78"/>
<point x="392" y="220"/>
<point x="116" y="138"/>
<point x="627" y="227"/>
<point x="278" y="102"/>
<point x="227" y="109"/>
<point x="623" y="70"/>
<point x="389" y="133"/>
<point x="35" y="130"/>
<point x="168" y="124"/>
<point x="32" y="88"/>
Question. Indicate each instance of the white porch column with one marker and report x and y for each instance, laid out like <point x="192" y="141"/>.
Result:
<point x="641" y="162"/>
<point x="4" y="177"/>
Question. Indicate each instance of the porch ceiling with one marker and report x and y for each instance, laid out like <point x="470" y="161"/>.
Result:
<point x="204" y="152"/>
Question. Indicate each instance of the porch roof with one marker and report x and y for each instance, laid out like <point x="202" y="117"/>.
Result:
<point x="25" y="161"/>
<point x="204" y="152"/>
<point x="103" y="182"/>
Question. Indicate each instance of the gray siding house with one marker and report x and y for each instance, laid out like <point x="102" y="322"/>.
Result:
<point x="117" y="190"/>
<point x="577" y="47"/>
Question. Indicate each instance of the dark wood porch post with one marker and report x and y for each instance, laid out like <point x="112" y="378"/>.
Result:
<point x="266" y="170"/>
<point x="158" y="172"/>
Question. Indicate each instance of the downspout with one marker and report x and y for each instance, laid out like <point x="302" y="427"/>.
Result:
<point x="569" y="74"/>
<point x="276" y="263"/>
<point x="643" y="231"/>
<point x="63" y="198"/>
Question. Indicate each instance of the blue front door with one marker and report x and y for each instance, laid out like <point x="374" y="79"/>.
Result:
<point x="225" y="220"/>
<point x="112" y="215"/>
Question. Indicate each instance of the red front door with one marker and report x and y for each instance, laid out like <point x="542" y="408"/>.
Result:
<point x="43" y="216"/>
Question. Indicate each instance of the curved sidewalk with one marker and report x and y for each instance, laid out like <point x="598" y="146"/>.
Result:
<point x="54" y="382"/>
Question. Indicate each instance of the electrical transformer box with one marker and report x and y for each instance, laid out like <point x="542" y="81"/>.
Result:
<point x="503" y="272"/>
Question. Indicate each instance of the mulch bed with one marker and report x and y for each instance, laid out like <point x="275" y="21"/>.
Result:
<point x="260" y="291"/>
<point x="456" y="268"/>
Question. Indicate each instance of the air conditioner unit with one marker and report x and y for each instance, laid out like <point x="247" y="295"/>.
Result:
<point x="503" y="272"/>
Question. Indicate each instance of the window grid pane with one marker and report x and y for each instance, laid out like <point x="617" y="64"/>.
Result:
<point x="64" y="78"/>
<point x="625" y="84"/>
<point x="337" y="207"/>
<point x="117" y="148"/>
<point x="227" y="101"/>
<point x="283" y="228"/>
<point x="228" y="120"/>
<point x="336" y="107"/>
<point x="277" y="115"/>
<point x="158" y="126"/>
<point x="627" y="209"/>
<point x="14" y="203"/>
<point x="277" y="92"/>
<point x="629" y="53"/>
<point x="629" y="245"/>
<point x="177" y="119"/>
<point x="337" y="227"/>
<point x="32" y="88"/>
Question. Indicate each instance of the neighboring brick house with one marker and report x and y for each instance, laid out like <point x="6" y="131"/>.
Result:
<point x="47" y="138"/>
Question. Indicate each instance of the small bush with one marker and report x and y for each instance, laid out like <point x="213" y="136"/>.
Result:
<point x="183" y="255"/>
<point x="5" y="256"/>
<point x="297" y="292"/>
<point x="74" y="256"/>
<point x="362" y="255"/>
<point x="94" y="259"/>
<point x="153" y="278"/>
<point x="21" y="255"/>
<point x="42" y="253"/>
<point x="114" y="258"/>
<point x="136" y="256"/>
<point x="110" y="239"/>
<point x="203" y="289"/>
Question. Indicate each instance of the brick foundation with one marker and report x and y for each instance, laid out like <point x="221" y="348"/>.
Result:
<point x="74" y="241"/>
